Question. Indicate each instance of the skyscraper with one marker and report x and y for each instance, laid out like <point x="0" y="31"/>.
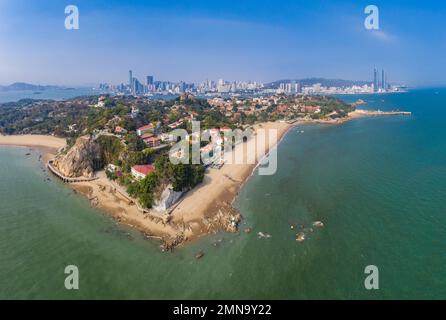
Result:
<point x="137" y="87"/>
<point x="375" y="80"/>
<point x="130" y="79"/>
<point x="149" y="80"/>
<point x="383" y="80"/>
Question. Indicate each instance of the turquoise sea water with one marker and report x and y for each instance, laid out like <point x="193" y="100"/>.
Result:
<point x="378" y="184"/>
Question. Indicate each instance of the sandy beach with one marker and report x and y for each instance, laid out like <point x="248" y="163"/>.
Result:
<point x="219" y="189"/>
<point x="30" y="140"/>
<point x="49" y="145"/>
<point x="103" y="195"/>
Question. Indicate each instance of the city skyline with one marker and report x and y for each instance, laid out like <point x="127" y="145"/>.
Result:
<point x="135" y="87"/>
<point x="202" y="40"/>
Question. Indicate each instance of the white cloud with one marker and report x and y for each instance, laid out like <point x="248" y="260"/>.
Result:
<point x="382" y="35"/>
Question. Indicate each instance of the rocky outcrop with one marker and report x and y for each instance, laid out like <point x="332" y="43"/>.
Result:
<point x="81" y="159"/>
<point x="227" y="218"/>
<point x="167" y="199"/>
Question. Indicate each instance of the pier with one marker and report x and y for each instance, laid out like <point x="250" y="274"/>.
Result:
<point x="64" y="178"/>
<point x="382" y="113"/>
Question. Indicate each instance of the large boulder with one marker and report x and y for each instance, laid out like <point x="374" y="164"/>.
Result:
<point x="81" y="159"/>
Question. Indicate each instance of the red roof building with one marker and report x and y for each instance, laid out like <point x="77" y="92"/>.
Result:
<point x="152" y="141"/>
<point x="141" y="171"/>
<point x="147" y="135"/>
<point x="144" y="129"/>
<point x="175" y="124"/>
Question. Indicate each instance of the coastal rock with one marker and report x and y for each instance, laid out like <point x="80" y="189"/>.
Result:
<point x="199" y="255"/>
<point x="81" y="159"/>
<point x="227" y="219"/>
<point x="318" y="224"/>
<point x="170" y="243"/>
<point x="262" y="235"/>
<point x="300" y="236"/>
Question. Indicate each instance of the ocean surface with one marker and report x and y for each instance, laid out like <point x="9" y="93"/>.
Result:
<point x="378" y="185"/>
<point x="53" y="94"/>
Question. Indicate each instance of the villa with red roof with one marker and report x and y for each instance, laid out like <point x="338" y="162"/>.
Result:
<point x="152" y="141"/>
<point x="141" y="171"/>
<point x="147" y="128"/>
<point x="175" y="124"/>
<point x="147" y="135"/>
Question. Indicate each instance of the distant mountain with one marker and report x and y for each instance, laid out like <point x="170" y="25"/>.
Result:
<point x="324" y="82"/>
<point x="21" y="86"/>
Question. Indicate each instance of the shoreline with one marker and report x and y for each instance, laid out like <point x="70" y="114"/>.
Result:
<point x="208" y="208"/>
<point x="48" y="145"/>
<point x="203" y="210"/>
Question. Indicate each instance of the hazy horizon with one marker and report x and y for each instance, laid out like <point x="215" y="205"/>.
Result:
<point x="197" y="40"/>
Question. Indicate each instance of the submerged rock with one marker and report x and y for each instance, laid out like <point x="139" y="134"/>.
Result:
<point x="264" y="235"/>
<point x="318" y="224"/>
<point x="300" y="236"/>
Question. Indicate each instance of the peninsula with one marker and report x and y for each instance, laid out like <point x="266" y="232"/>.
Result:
<point x="117" y="152"/>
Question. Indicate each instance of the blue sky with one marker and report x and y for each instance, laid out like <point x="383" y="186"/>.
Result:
<point x="234" y="40"/>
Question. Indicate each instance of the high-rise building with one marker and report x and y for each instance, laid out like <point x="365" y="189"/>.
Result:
<point x="137" y="87"/>
<point x="298" y="88"/>
<point x="383" y="80"/>
<point x="149" y="80"/>
<point x="130" y="79"/>
<point x="375" y="80"/>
